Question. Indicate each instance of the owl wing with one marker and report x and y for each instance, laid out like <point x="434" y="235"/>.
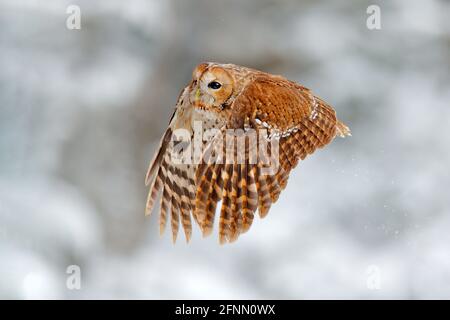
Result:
<point x="278" y="111"/>
<point x="174" y="181"/>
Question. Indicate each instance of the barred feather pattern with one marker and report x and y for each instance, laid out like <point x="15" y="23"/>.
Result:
<point x="176" y="185"/>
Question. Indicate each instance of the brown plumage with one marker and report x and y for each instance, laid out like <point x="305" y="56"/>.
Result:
<point x="274" y="123"/>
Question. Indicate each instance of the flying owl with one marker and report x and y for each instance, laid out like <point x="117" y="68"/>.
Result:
<point x="288" y="121"/>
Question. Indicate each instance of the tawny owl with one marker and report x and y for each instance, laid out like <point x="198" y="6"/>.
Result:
<point x="223" y="98"/>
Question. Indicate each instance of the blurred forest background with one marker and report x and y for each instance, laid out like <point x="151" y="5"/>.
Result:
<point x="81" y="112"/>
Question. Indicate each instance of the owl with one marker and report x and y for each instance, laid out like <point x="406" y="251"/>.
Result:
<point x="287" y="122"/>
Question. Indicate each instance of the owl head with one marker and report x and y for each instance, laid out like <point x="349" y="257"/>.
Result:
<point x="211" y="87"/>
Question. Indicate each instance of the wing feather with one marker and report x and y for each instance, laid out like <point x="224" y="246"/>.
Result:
<point x="165" y="200"/>
<point x="215" y="195"/>
<point x="225" y="210"/>
<point x="252" y="198"/>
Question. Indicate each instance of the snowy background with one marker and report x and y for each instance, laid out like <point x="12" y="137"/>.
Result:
<point x="81" y="112"/>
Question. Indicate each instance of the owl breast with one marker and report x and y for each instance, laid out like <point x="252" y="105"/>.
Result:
<point x="207" y="119"/>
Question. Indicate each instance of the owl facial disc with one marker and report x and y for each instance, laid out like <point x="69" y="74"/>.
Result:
<point x="211" y="87"/>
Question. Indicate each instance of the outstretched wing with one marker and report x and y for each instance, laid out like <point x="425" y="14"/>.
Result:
<point x="290" y="123"/>
<point x="174" y="180"/>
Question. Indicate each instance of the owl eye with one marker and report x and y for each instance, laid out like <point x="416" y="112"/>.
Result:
<point x="214" y="85"/>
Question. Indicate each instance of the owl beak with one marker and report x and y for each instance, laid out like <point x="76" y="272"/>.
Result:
<point x="197" y="98"/>
<point x="197" y="95"/>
